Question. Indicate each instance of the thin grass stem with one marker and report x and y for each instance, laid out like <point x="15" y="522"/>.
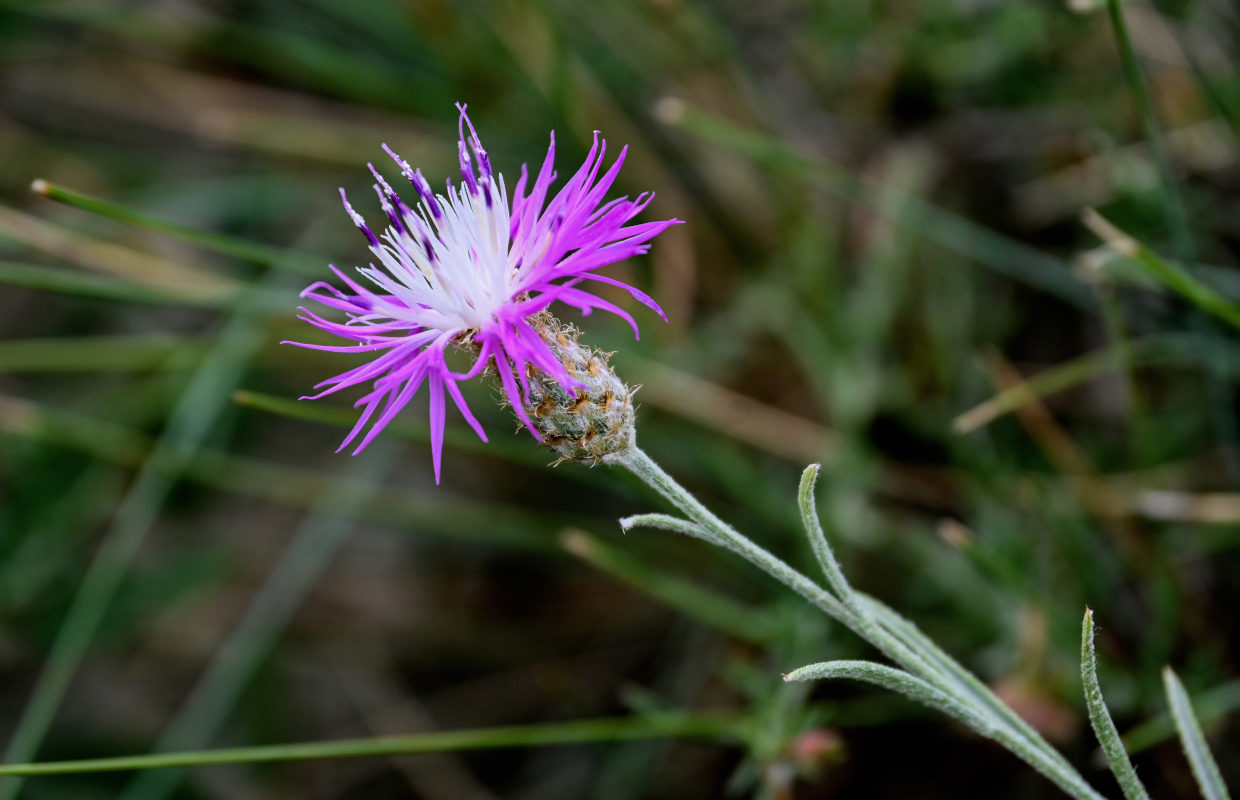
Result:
<point x="263" y="255"/>
<point x="1173" y="203"/>
<point x="717" y="726"/>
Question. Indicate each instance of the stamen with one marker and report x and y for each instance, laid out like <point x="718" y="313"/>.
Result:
<point x="358" y="221"/>
<point x="419" y="184"/>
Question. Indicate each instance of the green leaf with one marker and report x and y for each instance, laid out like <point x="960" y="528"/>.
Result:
<point x="1205" y="769"/>
<point x="818" y="540"/>
<point x="1208" y="705"/>
<point x="896" y="680"/>
<point x="1100" y="718"/>
<point x="73" y="353"/>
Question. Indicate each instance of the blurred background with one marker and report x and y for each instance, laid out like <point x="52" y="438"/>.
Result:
<point x="885" y="241"/>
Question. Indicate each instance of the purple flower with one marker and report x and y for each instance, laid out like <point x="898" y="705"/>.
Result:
<point x="468" y="268"/>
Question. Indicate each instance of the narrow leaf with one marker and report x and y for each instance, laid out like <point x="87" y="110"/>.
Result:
<point x="1209" y="705"/>
<point x="818" y="540"/>
<point x="950" y="670"/>
<point x="664" y="522"/>
<point x="1100" y="718"/>
<point x="1205" y="769"/>
<point x="217" y="242"/>
<point x="1171" y="275"/>
<point x="1173" y="204"/>
<point x="896" y="680"/>
<point x="85" y="284"/>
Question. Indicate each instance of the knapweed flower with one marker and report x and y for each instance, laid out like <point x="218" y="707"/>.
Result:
<point x="472" y="270"/>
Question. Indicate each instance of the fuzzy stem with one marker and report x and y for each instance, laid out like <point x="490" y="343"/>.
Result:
<point x="935" y="668"/>
<point x="644" y="467"/>
<point x="1100" y="717"/>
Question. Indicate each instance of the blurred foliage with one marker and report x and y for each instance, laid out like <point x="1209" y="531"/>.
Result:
<point x="884" y="203"/>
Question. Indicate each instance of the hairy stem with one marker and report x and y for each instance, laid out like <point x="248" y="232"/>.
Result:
<point x="935" y="668"/>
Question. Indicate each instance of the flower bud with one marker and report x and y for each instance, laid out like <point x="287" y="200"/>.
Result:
<point x="587" y="422"/>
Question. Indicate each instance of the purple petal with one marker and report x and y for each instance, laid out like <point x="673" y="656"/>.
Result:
<point x="435" y="386"/>
<point x="463" y="407"/>
<point x="635" y="293"/>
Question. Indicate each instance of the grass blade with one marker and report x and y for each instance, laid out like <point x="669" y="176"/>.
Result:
<point x="1159" y="350"/>
<point x="1100" y="718"/>
<point x="264" y="255"/>
<point x="1205" y="769"/>
<point x="1173" y="204"/>
<point x="1171" y="275"/>
<point x="93" y="253"/>
<point x="102" y="353"/>
<point x="84" y="284"/>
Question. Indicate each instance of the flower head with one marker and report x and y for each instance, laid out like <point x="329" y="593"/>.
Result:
<point x="468" y="268"/>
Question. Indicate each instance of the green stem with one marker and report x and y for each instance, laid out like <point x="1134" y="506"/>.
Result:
<point x="1173" y="204"/>
<point x="644" y="467"/>
<point x="717" y="726"/>
<point x="1016" y="736"/>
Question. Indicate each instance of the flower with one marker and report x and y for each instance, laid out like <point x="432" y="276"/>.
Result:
<point x="469" y="269"/>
